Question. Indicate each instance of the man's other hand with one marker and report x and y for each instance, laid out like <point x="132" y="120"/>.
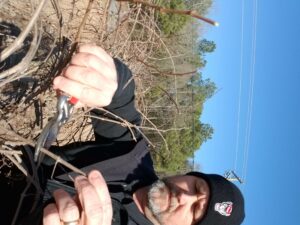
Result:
<point x="92" y="205"/>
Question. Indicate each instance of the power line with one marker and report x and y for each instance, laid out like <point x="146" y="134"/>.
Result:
<point x="240" y="87"/>
<point x="251" y="94"/>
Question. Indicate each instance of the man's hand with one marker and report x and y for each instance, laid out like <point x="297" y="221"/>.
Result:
<point x="90" y="77"/>
<point x="93" y="206"/>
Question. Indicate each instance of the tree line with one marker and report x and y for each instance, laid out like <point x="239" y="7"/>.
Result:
<point x="175" y="103"/>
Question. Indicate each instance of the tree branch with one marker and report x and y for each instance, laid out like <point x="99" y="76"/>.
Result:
<point x="161" y="9"/>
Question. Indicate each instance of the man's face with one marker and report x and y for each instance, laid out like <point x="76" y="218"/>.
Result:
<point x="177" y="200"/>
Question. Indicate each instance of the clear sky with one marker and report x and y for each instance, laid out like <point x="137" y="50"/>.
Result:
<point x="256" y="111"/>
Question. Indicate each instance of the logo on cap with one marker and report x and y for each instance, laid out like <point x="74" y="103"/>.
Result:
<point x="224" y="208"/>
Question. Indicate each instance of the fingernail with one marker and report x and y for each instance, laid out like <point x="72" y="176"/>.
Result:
<point x="56" y="81"/>
<point x="94" y="174"/>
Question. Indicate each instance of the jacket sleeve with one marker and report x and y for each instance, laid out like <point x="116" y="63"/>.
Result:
<point x="122" y="105"/>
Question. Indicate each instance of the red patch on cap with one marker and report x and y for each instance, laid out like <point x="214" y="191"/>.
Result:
<point x="229" y="209"/>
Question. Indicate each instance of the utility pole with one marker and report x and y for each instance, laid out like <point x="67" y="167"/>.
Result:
<point x="231" y="176"/>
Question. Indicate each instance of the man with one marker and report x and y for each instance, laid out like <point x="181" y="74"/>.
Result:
<point x="137" y="196"/>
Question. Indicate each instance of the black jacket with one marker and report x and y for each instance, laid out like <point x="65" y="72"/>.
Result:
<point x="125" y="164"/>
<point x="124" y="175"/>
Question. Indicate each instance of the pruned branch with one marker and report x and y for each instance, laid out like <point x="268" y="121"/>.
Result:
<point x="161" y="9"/>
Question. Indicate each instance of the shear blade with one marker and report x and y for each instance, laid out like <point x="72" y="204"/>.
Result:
<point x="47" y="137"/>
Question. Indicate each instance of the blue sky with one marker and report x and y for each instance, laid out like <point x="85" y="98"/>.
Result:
<point x="256" y="111"/>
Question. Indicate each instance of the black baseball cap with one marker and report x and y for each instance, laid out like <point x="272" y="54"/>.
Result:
<point x="226" y="202"/>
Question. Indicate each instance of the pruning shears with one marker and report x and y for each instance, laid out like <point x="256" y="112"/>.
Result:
<point x="65" y="105"/>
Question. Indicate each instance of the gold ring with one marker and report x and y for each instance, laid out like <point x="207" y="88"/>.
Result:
<point x="74" y="222"/>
